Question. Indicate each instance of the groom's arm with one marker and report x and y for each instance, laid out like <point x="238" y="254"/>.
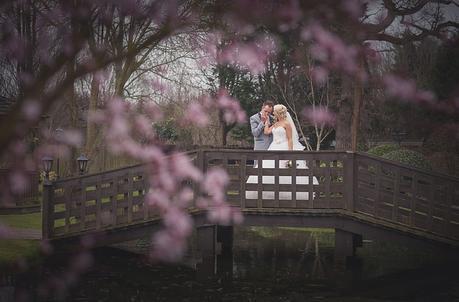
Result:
<point x="257" y="128"/>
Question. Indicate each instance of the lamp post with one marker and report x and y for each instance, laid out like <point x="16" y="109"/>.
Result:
<point x="59" y="132"/>
<point x="82" y="164"/>
<point x="47" y="162"/>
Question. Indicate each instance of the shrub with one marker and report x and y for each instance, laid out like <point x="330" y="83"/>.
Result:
<point x="409" y="158"/>
<point x="383" y="149"/>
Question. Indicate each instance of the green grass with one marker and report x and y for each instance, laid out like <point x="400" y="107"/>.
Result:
<point x="23" y="221"/>
<point x="308" y="230"/>
<point x="12" y="250"/>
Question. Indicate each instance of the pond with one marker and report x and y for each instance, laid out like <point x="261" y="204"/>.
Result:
<point x="264" y="264"/>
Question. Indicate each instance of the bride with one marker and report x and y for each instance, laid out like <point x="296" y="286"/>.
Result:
<point x="285" y="137"/>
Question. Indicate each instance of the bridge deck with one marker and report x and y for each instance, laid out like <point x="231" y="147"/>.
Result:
<point x="348" y="185"/>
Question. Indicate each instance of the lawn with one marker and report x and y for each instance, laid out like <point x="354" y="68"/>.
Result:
<point x="14" y="249"/>
<point x="23" y="221"/>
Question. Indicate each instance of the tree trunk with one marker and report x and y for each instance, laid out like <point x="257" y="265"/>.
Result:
<point x="91" y="131"/>
<point x="343" y="118"/>
<point x="357" y="100"/>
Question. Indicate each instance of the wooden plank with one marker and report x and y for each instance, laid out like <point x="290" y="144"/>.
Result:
<point x="327" y="184"/>
<point x="293" y="172"/>
<point x="242" y="181"/>
<point x="396" y="195"/>
<point x="311" y="183"/>
<point x="98" y="207"/>
<point x="260" y="181"/>
<point x="128" y="195"/>
<point x="377" y="189"/>
<point x="276" y="181"/>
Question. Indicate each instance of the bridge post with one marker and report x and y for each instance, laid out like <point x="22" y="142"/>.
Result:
<point x="200" y="165"/>
<point x="345" y="245"/>
<point x="215" y="244"/>
<point x="347" y="267"/>
<point x="47" y="206"/>
<point x="350" y="180"/>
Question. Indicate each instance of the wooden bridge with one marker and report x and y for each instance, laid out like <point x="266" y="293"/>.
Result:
<point x="356" y="193"/>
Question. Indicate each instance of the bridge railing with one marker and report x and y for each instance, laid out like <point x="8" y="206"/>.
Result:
<point x="406" y="196"/>
<point x="293" y="180"/>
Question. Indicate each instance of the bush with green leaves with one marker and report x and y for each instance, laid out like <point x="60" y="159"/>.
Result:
<point x="383" y="149"/>
<point x="409" y="158"/>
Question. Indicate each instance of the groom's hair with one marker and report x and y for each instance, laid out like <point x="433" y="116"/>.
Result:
<point x="268" y="103"/>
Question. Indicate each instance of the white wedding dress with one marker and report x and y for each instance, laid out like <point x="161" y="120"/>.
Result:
<point x="280" y="142"/>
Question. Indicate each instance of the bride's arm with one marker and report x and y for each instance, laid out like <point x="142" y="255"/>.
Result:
<point x="268" y="128"/>
<point x="288" y="130"/>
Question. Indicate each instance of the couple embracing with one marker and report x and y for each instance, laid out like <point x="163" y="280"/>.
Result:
<point x="277" y="133"/>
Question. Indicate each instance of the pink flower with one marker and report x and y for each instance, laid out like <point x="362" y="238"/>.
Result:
<point x="158" y="199"/>
<point x="319" y="75"/>
<point x="196" y="114"/>
<point x="71" y="138"/>
<point x="405" y="89"/>
<point x="31" y="110"/>
<point x="220" y="214"/>
<point x="232" y="111"/>
<point x="178" y="222"/>
<point x="319" y="115"/>
<point x="153" y="111"/>
<point x="353" y="7"/>
<point x="215" y="180"/>
<point x="143" y="125"/>
<point x="167" y="247"/>
<point x="183" y="168"/>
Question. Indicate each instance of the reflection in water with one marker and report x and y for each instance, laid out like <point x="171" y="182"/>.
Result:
<point x="257" y="264"/>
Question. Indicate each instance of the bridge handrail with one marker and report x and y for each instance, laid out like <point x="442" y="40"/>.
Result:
<point x="351" y="181"/>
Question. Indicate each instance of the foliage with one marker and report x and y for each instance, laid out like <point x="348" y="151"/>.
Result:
<point x="446" y="70"/>
<point x="167" y="130"/>
<point x="241" y="86"/>
<point x="381" y="150"/>
<point x="410" y="158"/>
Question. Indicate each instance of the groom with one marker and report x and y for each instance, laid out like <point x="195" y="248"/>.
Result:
<point x="257" y="123"/>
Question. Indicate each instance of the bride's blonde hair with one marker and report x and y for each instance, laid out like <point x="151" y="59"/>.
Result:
<point x="280" y="111"/>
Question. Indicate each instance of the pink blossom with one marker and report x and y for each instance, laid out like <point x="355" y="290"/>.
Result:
<point x="178" y="222"/>
<point x="18" y="181"/>
<point x="71" y="138"/>
<point x="183" y="168"/>
<point x="185" y="196"/>
<point x="221" y="214"/>
<point x="319" y="75"/>
<point x="289" y="13"/>
<point x="32" y="110"/>
<point x="251" y="55"/>
<point x="319" y="115"/>
<point x="353" y="7"/>
<point x="330" y="50"/>
<point x="158" y="199"/>
<point x="232" y="111"/>
<point x="167" y="247"/>
<point x="196" y="114"/>
<point x="143" y="125"/>
<point x="215" y="180"/>
<point x="405" y="89"/>
<point x="97" y="117"/>
<point x="158" y="86"/>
